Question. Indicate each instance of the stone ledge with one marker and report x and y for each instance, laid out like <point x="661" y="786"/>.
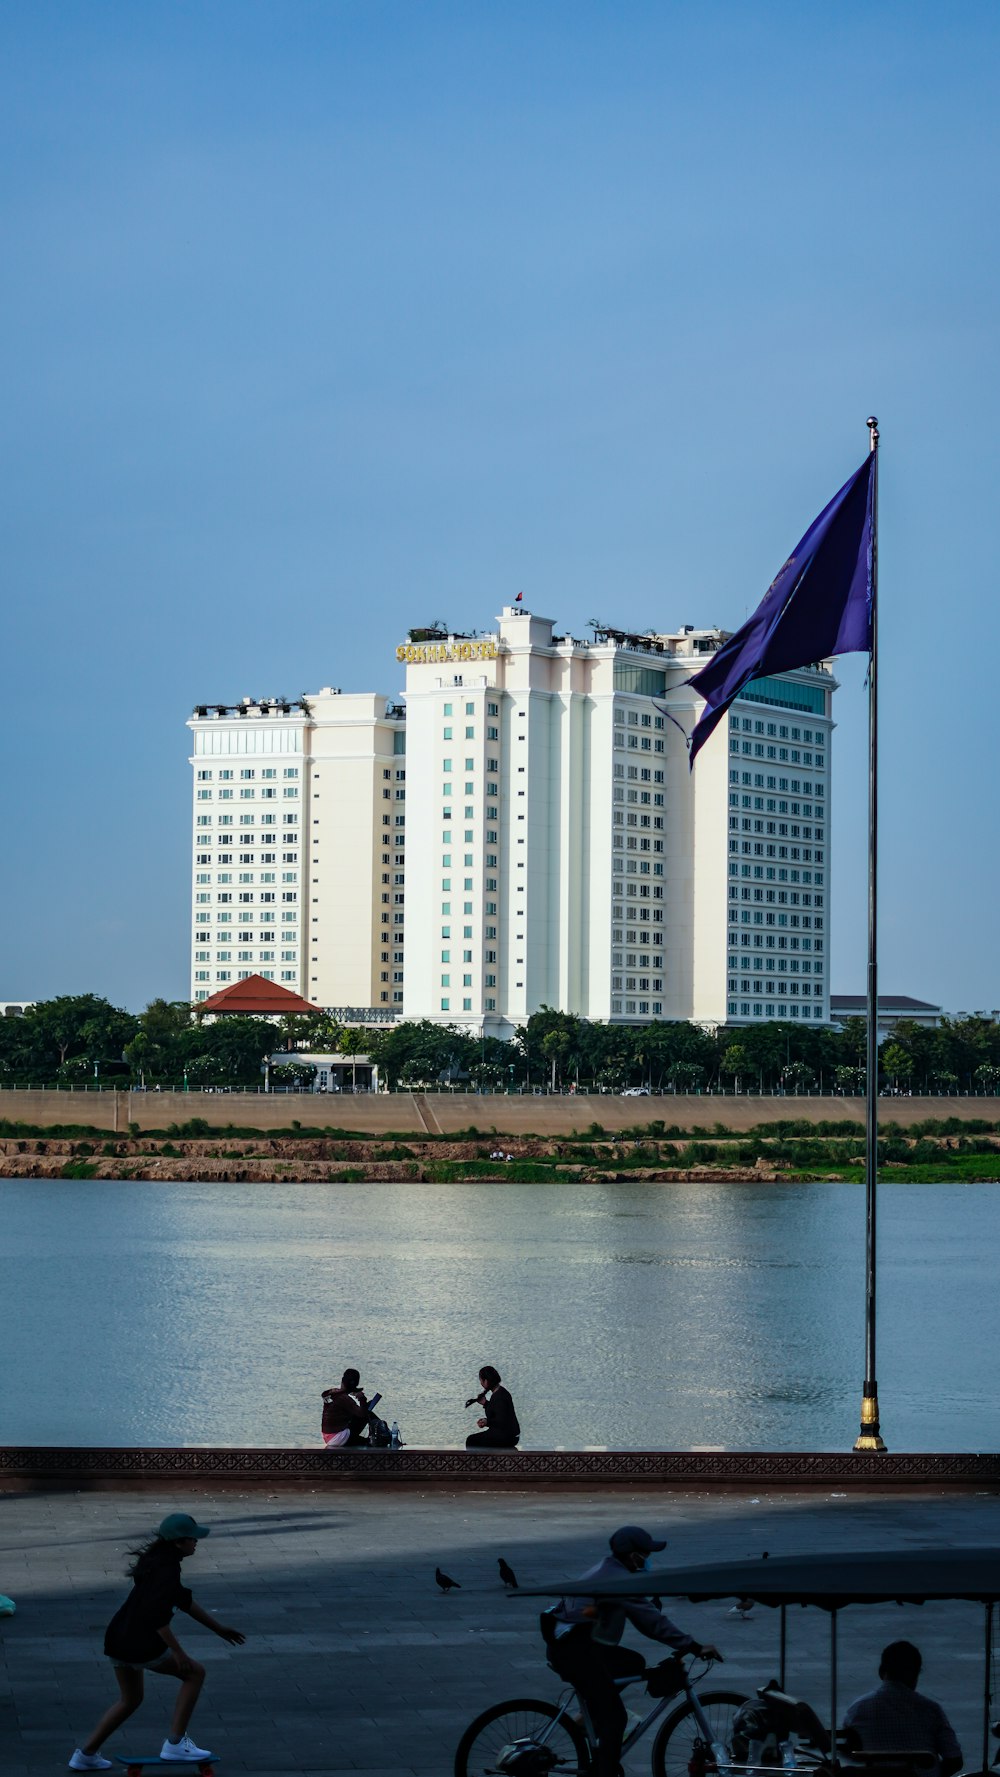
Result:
<point x="28" y="1468"/>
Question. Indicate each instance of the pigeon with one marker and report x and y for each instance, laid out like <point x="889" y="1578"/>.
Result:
<point x="507" y="1574"/>
<point x="446" y="1584"/>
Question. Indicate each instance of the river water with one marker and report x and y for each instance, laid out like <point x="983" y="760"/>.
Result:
<point x="622" y="1315"/>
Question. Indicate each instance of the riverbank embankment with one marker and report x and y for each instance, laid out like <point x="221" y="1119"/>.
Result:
<point x="448" y="1114"/>
<point x="774" y="1153"/>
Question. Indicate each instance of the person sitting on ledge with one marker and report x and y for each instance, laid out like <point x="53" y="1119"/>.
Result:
<point x="499" y="1430"/>
<point x="345" y="1412"/>
<point x="896" y="1717"/>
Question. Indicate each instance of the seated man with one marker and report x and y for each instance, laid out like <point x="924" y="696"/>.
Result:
<point x="898" y="1718"/>
<point x="345" y="1412"/>
<point x="583" y="1636"/>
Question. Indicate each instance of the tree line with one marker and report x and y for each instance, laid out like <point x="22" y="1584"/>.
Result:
<point x="83" y="1040"/>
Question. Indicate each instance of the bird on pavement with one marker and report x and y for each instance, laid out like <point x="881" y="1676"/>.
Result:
<point x="507" y="1574"/>
<point x="446" y="1584"/>
<point x="744" y="1606"/>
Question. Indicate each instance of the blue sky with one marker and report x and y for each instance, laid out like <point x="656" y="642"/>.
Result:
<point x="322" y="320"/>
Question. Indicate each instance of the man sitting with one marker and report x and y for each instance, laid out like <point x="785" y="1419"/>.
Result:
<point x="345" y="1412"/>
<point x="898" y="1718"/>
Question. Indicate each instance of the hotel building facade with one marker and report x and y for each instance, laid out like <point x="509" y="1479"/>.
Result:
<point x="530" y="835"/>
<point x="562" y="854"/>
<point x="299" y="848"/>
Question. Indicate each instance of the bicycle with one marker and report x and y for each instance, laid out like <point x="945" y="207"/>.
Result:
<point x="530" y="1737"/>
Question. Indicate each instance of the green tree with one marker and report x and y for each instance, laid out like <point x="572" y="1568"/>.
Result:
<point x="560" y="1049"/>
<point x="156" y="1051"/>
<point x="226" y="1051"/>
<point x="548" y="1037"/>
<point x="355" y="1040"/>
<point x="852" y="1042"/>
<point x="686" y="1076"/>
<point x="767" y="1051"/>
<point x="421" y="1053"/>
<point x="15" y="1051"/>
<point x="297" y="1075"/>
<point x="897" y="1063"/>
<point x="734" y="1063"/>
<point x="797" y="1077"/>
<point x="315" y="1031"/>
<point x="492" y="1063"/>
<point x="55" y="1031"/>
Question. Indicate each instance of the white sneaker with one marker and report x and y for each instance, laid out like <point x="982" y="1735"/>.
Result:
<point x="184" y="1748"/>
<point x="89" y="1761"/>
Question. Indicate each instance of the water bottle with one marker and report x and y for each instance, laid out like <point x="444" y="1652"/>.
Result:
<point x="788" y="1755"/>
<point x="394" y="1436"/>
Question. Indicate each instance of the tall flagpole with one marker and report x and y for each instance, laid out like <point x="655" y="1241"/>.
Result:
<point x="869" y="1437"/>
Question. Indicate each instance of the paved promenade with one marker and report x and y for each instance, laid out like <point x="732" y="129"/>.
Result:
<point x="355" y="1662"/>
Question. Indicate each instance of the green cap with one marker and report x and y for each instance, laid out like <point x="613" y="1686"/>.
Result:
<point x="180" y="1525"/>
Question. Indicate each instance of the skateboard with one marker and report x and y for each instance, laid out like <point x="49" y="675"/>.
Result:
<point x="134" y="1767"/>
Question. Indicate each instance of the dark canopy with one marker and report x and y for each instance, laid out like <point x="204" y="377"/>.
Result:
<point x="831" y="1581"/>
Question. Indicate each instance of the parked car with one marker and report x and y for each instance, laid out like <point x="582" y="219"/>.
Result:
<point x="635" y="1092"/>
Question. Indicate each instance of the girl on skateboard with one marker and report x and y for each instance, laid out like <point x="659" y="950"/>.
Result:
<point x="139" y="1639"/>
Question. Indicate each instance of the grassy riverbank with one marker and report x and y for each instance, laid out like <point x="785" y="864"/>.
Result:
<point x="789" y="1150"/>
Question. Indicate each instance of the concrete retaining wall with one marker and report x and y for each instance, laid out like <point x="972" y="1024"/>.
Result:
<point x="44" y="1467"/>
<point x="445" y="1113"/>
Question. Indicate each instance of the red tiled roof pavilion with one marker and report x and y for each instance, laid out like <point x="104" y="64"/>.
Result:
<point x="256" y="997"/>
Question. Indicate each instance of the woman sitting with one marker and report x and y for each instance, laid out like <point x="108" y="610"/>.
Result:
<point x="499" y="1429"/>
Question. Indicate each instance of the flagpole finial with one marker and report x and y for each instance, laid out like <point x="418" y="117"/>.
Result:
<point x="872" y="424"/>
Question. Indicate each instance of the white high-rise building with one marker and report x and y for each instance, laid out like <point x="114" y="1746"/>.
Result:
<point x="562" y="854"/>
<point x="750" y="847"/>
<point x="560" y="851"/>
<point x="299" y="846"/>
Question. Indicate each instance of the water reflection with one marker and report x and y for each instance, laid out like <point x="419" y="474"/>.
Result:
<point x="190" y="1313"/>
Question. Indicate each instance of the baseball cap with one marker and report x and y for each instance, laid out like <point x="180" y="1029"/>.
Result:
<point x="631" y="1539"/>
<point x="180" y="1525"/>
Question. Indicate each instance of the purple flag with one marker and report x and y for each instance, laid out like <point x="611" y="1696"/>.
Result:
<point x="820" y="603"/>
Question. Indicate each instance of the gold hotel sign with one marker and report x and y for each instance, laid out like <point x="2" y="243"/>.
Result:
<point x="426" y="653"/>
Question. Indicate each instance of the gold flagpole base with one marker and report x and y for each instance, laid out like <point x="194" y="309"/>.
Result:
<point x="868" y="1437"/>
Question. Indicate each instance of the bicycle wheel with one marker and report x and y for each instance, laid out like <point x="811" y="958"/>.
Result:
<point x="673" y="1748"/>
<point x="564" y="1751"/>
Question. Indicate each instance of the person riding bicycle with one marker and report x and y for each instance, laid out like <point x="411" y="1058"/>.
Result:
<point x="583" y="1636"/>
